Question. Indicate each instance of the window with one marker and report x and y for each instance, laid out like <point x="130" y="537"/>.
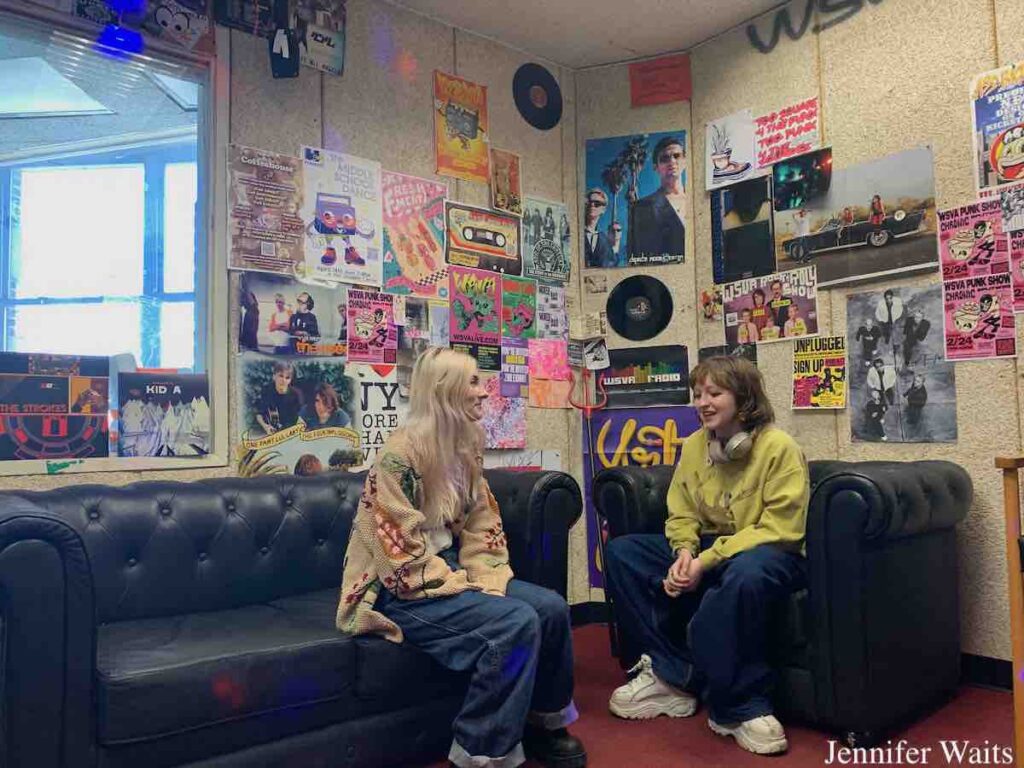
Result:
<point x="99" y="249"/>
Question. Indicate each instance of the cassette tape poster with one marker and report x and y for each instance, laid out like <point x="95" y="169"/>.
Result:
<point x="482" y="239"/>
<point x="372" y="335"/>
<point x="414" y="236"/>
<point x="460" y="128"/>
<point x="819" y="372"/>
<point x="971" y="240"/>
<point x="547" y="245"/>
<point x="475" y="322"/>
<point x="341" y="212"/>
<point x="265" y="207"/>
<point x="771" y="308"/>
<point x="978" y="316"/>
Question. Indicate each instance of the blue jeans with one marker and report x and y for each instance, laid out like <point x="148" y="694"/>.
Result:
<point x="519" y="649"/>
<point x="712" y="640"/>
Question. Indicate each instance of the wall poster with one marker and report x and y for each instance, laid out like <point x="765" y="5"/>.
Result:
<point x="460" y="128"/>
<point x="414" y="236"/>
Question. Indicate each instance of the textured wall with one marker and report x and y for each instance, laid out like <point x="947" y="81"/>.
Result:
<point x="893" y="77"/>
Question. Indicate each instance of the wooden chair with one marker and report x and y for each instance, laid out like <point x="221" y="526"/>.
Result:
<point x="1011" y="510"/>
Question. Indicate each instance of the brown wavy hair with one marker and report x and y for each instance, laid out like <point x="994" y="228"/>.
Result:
<point x="741" y="377"/>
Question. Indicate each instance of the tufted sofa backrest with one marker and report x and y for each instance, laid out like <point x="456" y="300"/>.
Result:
<point x="165" y="548"/>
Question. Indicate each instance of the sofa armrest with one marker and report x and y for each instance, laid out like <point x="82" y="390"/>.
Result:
<point x="537" y="510"/>
<point x="48" y="640"/>
<point x="633" y="499"/>
<point x="889" y="500"/>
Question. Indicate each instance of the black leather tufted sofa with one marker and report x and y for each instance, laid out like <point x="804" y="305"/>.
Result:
<point x="875" y="638"/>
<point x="165" y="624"/>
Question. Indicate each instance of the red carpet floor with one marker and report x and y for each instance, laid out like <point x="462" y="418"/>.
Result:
<point x="974" y="714"/>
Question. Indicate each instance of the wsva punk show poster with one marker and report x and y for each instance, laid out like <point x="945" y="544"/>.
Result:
<point x="971" y="240"/>
<point x="624" y="437"/>
<point x="414" y="236"/>
<point x="341" y="212"/>
<point x="978" y="317"/>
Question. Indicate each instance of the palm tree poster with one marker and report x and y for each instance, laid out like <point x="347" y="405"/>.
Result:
<point x="635" y="200"/>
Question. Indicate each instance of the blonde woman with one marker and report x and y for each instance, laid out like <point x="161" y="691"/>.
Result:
<point x="427" y="563"/>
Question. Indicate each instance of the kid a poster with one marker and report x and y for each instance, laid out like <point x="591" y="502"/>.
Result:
<point x="341" y="212"/>
<point x="265" y="205"/>
<point x="518" y="307"/>
<point x="372" y="335"/>
<point x="475" y="320"/>
<point x="163" y="414"/>
<point x="978" y="317"/>
<point x="414" y="236"/>
<point x="645" y="437"/>
<point x="997" y="112"/>
<point x="819" y="372"/>
<point x="460" y="128"/>
<point x="482" y="239"/>
<point x="971" y="240"/>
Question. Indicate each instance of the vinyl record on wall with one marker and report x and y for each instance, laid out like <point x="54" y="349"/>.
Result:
<point x="538" y="97"/>
<point x="639" y="308"/>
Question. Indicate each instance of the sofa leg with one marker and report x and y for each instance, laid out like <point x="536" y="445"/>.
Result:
<point x="860" y="738"/>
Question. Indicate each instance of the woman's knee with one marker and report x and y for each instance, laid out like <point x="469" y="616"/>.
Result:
<point x="550" y="606"/>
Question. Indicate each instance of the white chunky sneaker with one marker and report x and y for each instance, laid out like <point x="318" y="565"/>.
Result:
<point x="646" y="696"/>
<point x="761" y="735"/>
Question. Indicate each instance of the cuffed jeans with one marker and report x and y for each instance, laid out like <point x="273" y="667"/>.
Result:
<point x="712" y="640"/>
<point x="519" y="650"/>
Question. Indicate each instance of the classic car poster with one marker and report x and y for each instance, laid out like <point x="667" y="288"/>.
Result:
<point x="506" y="182"/>
<point x="729" y="150"/>
<point x="634" y="204"/>
<point x="460" y="128"/>
<point x="265" y="211"/>
<point x="475" y="315"/>
<point x="978" y="317"/>
<point x="163" y="414"/>
<point x="971" y="240"/>
<point x="518" y="307"/>
<point x="628" y="437"/>
<point x="788" y="132"/>
<point x="877" y="219"/>
<point x="283" y="316"/>
<point x="819" y="372"/>
<point x="1017" y="268"/>
<point x="54" y="406"/>
<point x="414" y="236"/>
<point x="481" y="239"/>
<point x="296" y="416"/>
<point x="742" y="242"/>
<point x="900" y="387"/>
<point x="997" y="114"/>
<point x="372" y="335"/>
<point x="771" y="308"/>
<point x="341" y="210"/>
<point x="547" y="245"/>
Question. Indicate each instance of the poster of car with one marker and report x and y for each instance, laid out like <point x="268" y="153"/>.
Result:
<point x="901" y="389"/>
<point x="634" y="203"/>
<point x="997" y="114"/>
<point x="771" y="308"/>
<point x="481" y="239"/>
<point x="979" y="321"/>
<point x="877" y="219"/>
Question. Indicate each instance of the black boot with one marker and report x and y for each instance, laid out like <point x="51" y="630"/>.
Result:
<point x="555" y="749"/>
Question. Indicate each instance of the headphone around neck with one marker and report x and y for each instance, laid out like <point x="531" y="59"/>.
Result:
<point x="736" y="448"/>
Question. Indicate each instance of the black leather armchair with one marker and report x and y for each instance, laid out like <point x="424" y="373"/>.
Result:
<point x="165" y="624"/>
<point x="875" y="637"/>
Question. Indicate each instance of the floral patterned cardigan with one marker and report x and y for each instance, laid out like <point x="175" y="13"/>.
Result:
<point x="387" y="548"/>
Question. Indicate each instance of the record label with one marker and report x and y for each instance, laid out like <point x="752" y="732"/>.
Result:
<point x="639" y="308"/>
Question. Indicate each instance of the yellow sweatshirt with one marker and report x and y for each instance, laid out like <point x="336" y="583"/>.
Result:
<point x="759" y="500"/>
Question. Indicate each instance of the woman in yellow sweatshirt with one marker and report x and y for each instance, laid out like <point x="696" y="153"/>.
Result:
<point x="427" y="563"/>
<point x="697" y="600"/>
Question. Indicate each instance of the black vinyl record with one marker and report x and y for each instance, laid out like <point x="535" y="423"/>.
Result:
<point x="538" y="97"/>
<point x="639" y="308"/>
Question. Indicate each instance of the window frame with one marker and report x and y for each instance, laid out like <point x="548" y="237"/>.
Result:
<point x="210" y="292"/>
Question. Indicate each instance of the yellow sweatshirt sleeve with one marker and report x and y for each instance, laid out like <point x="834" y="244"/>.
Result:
<point x="783" y="518"/>
<point x="682" y="528"/>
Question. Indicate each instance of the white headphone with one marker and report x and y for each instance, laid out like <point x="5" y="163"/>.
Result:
<point x="736" y="448"/>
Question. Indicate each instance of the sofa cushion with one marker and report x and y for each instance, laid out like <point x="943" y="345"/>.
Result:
<point x="384" y="668"/>
<point x="161" y="676"/>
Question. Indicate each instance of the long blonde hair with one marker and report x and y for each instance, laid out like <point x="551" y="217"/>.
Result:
<point x="447" y="444"/>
